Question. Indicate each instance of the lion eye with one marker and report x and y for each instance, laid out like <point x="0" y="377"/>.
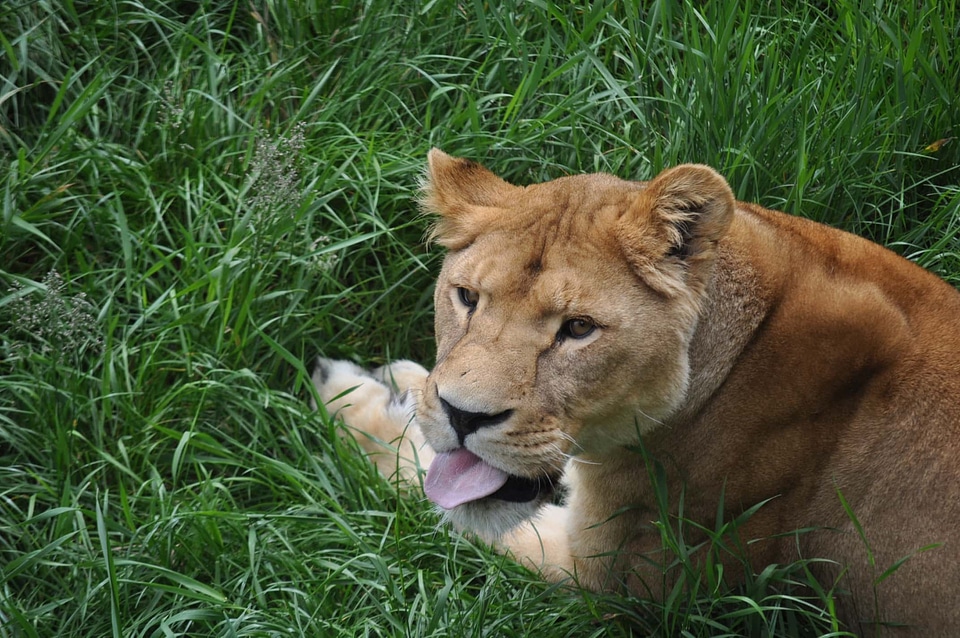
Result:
<point x="577" y="328"/>
<point x="469" y="298"/>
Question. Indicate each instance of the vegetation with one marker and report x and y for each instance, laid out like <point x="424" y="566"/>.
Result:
<point x="199" y="197"/>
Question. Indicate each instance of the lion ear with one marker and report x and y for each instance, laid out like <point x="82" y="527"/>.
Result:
<point x="670" y="233"/>
<point x="465" y="195"/>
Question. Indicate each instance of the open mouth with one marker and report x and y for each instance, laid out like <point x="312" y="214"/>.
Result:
<point x="460" y="476"/>
<point x="519" y="489"/>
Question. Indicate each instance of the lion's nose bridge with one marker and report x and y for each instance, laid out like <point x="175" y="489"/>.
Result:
<point x="484" y="376"/>
<point x="493" y="366"/>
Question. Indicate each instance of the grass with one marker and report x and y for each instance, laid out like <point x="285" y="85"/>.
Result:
<point x="199" y="197"/>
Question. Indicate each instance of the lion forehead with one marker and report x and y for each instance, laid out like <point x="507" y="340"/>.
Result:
<point x="556" y="277"/>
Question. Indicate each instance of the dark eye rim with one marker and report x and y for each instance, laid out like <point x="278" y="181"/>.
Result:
<point x="464" y="295"/>
<point x="566" y="330"/>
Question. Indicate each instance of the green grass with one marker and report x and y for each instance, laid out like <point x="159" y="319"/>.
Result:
<point x="227" y="189"/>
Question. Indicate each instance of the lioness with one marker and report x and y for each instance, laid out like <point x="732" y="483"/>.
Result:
<point x="756" y="355"/>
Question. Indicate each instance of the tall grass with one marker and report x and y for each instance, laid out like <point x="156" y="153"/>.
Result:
<point x="198" y="197"/>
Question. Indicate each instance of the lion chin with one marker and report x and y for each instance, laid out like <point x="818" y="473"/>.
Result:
<point x="491" y="518"/>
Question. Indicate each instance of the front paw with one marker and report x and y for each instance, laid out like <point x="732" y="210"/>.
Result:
<point x="341" y="384"/>
<point x="378" y="417"/>
<point x="404" y="375"/>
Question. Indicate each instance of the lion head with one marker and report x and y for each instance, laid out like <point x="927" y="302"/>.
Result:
<point x="564" y="314"/>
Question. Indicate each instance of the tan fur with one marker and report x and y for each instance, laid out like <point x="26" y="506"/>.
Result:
<point x="760" y="356"/>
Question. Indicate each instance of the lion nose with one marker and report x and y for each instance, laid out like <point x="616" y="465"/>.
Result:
<point x="464" y="422"/>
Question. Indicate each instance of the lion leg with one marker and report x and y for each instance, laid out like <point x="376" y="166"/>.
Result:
<point x="379" y="417"/>
<point x="542" y="544"/>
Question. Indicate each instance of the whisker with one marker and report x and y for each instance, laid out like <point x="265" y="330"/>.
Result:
<point x="649" y="418"/>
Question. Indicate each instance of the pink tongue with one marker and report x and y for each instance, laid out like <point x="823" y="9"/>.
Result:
<point x="458" y="477"/>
